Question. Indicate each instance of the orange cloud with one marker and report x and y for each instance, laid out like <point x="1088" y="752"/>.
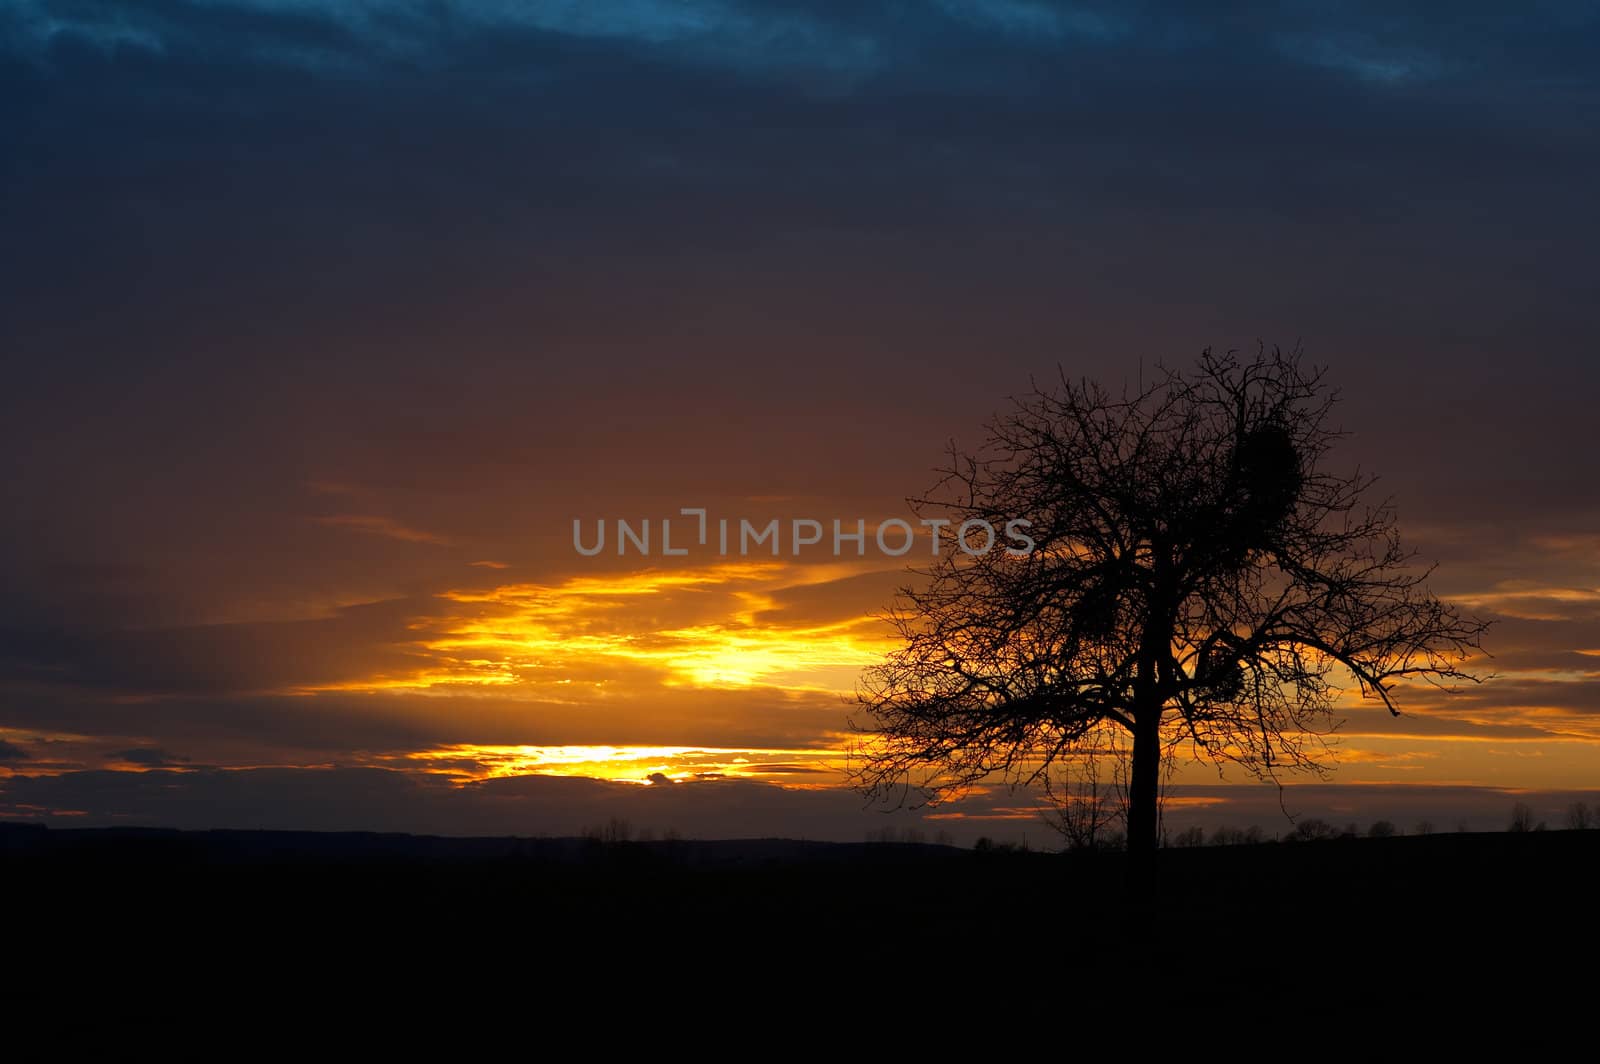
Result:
<point x="718" y="626"/>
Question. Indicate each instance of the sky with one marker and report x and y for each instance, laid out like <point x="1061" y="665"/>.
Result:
<point x="321" y="323"/>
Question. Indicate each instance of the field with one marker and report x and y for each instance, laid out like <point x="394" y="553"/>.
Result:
<point x="1223" y="919"/>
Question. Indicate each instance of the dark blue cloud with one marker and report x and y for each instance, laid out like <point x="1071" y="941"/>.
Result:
<point x="226" y="219"/>
<point x="255" y="234"/>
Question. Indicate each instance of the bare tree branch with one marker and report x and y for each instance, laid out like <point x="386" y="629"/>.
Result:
<point x="1200" y="578"/>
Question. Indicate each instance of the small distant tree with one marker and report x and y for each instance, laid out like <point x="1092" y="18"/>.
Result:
<point x="889" y="835"/>
<point x="1521" y="817"/>
<point x="986" y="845"/>
<point x="1084" y="804"/>
<point x="1199" y="579"/>
<point x="1424" y="827"/>
<point x="1313" y="829"/>
<point x="1579" y="816"/>
<point x="1381" y="829"/>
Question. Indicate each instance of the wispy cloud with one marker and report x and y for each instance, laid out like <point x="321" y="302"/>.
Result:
<point x="387" y="527"/>
<point x="713" y="626"/>
<point x="352" y="36"/>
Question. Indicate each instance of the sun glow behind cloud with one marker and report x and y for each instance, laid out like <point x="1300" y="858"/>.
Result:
<point x="653" y="765"/>
<point x="719" y="626"/>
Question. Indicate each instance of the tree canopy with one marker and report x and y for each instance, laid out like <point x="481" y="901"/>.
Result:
<point x="1202" y="583"/>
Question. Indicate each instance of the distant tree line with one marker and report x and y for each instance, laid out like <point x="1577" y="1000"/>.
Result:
<point x="1083" y="828"/>
<point x="1088" y="824"/>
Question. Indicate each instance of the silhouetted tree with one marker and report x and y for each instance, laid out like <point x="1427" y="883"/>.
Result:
<point x="1199" y="580"/>
<point x="1085" y="806"/>
<point x="1579" y="816"/>
<point x="1313" y="829"/>
<point x="1226" y="836"/>
<point x="893" y="836"/>
<point x="1521" y="817"/>
<point x="986" y="845"/>
<point x="1381" y="829"/>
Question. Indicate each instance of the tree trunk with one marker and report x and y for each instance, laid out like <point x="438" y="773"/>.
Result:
<point x="1144" y="788"/>
<point x="1149" y="700"/>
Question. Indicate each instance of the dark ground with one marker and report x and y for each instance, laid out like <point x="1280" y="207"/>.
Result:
<point x="1279" y="921"/>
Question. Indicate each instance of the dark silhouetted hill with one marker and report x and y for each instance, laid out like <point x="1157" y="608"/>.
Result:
<point x="1448" y="908"/>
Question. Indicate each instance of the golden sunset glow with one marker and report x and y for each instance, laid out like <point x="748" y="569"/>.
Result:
<point x="577" y="634"/>
<point x="629" y="764"/>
